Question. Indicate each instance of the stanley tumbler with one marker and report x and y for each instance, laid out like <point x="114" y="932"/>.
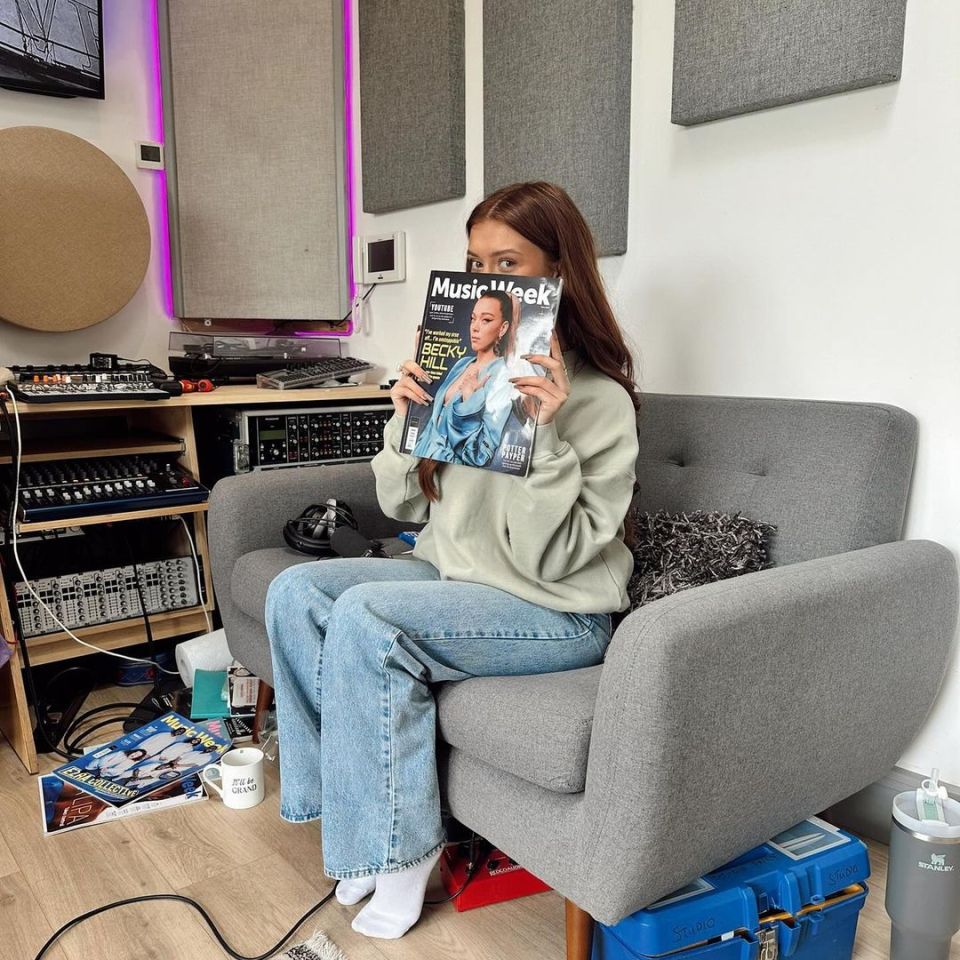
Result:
<point x="923" y="879"/>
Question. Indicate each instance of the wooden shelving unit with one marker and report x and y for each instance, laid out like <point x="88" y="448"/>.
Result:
<point x="96" y="518"/>
<point x="36" y="451"/>
<point x="53" y="647"/>
<point x="135" y="427"/>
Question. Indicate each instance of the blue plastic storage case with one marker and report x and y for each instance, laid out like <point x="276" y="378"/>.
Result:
<point x="798" y="895"/>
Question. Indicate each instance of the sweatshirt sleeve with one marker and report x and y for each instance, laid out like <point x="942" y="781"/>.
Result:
<point x="398" y="490"/>
<point x="572" y="503"/>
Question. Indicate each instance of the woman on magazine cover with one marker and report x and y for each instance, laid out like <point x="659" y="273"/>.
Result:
<point x="510" y="576"/>
<point x="118" y="763"/>
<point x="473" y="403"/>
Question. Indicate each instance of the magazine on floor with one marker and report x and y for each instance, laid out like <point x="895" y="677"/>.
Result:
<point x="137" y="764"/>
<point x="475" y="332"/>
<point x="64" y="807"/>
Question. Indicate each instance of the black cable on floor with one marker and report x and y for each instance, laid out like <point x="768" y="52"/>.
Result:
<point x="196" y="906"/>
<point x="472" y="865"/>
<point x="471" y="870"/>
<point x="74" y="745"/>
<point x="103" y="708"/>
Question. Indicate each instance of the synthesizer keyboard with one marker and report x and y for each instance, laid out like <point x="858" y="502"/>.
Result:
<point x="74" y="488"/>
<point x="59" y="384"/>
<point x="311" y="374"/>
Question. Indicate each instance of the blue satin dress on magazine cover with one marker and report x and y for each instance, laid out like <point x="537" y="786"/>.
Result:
<point x="468" y="431"/>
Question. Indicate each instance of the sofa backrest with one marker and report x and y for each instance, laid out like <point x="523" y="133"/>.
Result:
<point x="832" y="476"/>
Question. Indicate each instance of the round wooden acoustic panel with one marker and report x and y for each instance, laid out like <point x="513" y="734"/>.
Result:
<point x="74" y="237"/>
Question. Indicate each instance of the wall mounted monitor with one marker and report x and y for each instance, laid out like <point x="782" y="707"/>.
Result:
<point x="52" y="47"/>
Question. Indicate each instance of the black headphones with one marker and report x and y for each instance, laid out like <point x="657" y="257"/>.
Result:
<point x="311" y="532"/>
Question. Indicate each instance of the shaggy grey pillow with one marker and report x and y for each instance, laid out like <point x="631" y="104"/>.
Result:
<point x="676" y="551"/>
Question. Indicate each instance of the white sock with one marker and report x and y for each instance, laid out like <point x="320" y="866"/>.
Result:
<point x="353" y="891"/>
<point x="397" y="903"/>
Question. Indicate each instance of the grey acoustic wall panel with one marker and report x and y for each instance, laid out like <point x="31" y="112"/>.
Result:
<point x="254" y="127"/>
<point x="411" y="102"/>
<point x="556" y="103"/>
<point x="736" y="56"/>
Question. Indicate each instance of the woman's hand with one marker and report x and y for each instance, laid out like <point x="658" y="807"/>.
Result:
<point x="552" y="391"/>
<point x="471" y="381"/>
<point x="407" y="388"/>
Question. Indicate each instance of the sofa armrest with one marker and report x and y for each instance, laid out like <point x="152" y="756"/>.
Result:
<point x="247" y="512"/>
<point x="731" y="711"/>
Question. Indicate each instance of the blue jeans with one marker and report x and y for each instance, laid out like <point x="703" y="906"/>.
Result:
<point x="363" y="638"/>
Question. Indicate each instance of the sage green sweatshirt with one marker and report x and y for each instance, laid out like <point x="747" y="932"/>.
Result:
<point x="554" y="537"/>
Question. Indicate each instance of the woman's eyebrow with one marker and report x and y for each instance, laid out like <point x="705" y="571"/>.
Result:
<point x="496" y="253"/>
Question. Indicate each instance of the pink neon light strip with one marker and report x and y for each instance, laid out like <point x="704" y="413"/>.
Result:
<point x="348" y="141"/>
<point x="161" y="215"/>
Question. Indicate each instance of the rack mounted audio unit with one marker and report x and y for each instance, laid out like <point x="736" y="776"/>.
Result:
<point x="103" y="596"/>
<point x="238" y="441"/>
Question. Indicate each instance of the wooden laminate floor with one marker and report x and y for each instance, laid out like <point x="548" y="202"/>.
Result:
<point x="255" y="874"/>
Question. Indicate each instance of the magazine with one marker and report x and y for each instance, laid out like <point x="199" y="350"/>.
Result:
<point x="243" y="689"/>
<point x="65" y="807"/>
<point x="235" y="729"/>
<point x="476" y="329"/>
<point x="137" y="764"/>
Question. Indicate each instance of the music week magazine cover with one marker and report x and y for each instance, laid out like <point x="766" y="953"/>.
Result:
<point x="475" y="331"/>
<point x="135" y="765"/>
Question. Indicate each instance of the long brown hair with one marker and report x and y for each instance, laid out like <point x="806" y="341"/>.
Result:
<point x="545" y="215"/>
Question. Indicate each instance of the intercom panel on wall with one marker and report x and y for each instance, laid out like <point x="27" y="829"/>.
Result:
<point x="256" y="174"/>
<point x="381" y="258"/>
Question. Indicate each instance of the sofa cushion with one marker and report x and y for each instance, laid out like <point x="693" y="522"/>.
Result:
<point x="253" y="573"/>
<point x="537" y="728"/>
<point x="676" y="551"/>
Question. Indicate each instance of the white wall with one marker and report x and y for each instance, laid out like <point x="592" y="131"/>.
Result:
<point x="129" y="113"/>
<point x="808" y="251"/>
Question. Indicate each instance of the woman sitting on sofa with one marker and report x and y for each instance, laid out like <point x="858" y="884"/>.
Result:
<point x="509" y="576"/>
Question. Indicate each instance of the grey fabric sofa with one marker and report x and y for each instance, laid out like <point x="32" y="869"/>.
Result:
<point x="722" y="714"/>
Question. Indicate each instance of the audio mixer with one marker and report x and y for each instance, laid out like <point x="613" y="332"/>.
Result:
<point x="73" y="488"/>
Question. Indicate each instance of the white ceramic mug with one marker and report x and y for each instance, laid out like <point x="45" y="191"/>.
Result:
<point x="240" y="776"/>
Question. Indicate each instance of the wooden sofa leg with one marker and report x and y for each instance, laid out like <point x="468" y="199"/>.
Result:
<point x="579" y="932"/>
<point x="264" y="700"/>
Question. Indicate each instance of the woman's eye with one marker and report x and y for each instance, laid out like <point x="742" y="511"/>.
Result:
<point x="476" y="266"/>
<point x="506" y="264"/>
